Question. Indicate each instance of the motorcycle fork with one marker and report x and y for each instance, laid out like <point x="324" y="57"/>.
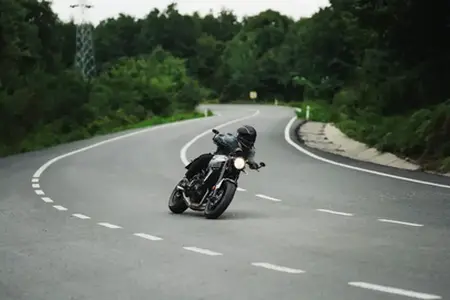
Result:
<point x="222" y="172"/>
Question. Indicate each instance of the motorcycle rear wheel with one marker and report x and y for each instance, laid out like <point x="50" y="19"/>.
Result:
<point x="176" y="202"/>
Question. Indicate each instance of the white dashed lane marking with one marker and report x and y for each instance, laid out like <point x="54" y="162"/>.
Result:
<point x="59" y="207"/>
<point x="392" y="290"/>
<point x="108" y="225"/>
<point x="202" y="251"/>
<point x="148" y="236"/>
<point x="241" y="189"/>
<point x="35" y="180"/>
<point x="80" y="216"/>
<point x="400" y="222"/>
<point x="268" y="198"/>
<point x="39" y="192"/>
<point x="35" y="185"/>
<point x="335" y="212"/>
<point x="47" y="200"/>
<point x="277" y="268"/>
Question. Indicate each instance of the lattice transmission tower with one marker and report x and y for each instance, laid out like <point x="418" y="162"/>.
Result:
<point x="84" y="53"/>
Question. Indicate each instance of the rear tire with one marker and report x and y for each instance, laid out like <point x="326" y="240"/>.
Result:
<point x="228" y="195"/>
<point x="176" y="202"/>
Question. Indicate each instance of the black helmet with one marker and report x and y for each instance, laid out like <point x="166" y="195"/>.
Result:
<point x="246" y="136"/>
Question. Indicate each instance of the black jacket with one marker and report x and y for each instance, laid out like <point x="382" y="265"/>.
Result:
<point x="228" y="142"/>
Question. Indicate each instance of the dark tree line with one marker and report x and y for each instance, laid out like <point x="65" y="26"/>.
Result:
<point x="382" y="67"/>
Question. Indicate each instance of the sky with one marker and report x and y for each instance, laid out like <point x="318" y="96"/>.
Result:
<point x="103" y="9"/>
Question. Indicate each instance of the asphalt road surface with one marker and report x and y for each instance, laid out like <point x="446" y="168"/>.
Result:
<point x="93" y="223"/>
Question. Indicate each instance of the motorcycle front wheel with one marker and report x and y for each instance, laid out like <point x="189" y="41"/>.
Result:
<point x="214" y="211"/>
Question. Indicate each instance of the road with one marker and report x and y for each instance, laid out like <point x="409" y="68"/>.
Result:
<point x="95" y="224"/>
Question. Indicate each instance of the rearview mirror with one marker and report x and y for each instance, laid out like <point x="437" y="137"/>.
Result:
<point x="215" y="131"/>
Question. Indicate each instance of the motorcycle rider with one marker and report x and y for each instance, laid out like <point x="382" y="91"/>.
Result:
<point x="244" y="139"/>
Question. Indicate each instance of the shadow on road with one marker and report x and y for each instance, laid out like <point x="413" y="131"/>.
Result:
<point x="228" y="215"/>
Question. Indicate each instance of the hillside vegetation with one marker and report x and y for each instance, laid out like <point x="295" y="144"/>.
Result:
<point x="380" y="69"/>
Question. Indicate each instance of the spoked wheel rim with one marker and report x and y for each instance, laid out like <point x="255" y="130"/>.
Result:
<point x="211" y="205"/>
<point x="176" y="194"/>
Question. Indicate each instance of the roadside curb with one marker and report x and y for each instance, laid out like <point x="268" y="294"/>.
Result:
<point x="297" y="127"/>
<point x="299" y="139"/>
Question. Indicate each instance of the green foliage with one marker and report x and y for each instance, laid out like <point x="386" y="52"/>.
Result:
<point x="319" y="110"/>
<point x="380" y="68"/>
<point x="44" y="101"/>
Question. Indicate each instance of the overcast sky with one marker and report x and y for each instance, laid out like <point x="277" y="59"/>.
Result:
<point x="139" y="8"/>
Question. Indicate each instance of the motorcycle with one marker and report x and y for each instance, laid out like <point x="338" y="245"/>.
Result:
<point x="213" y="189"/>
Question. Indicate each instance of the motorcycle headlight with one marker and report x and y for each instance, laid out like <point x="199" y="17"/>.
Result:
<point x="239" y="163"/>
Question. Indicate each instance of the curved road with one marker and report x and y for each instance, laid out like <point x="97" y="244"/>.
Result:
<point x="94" y="224"/>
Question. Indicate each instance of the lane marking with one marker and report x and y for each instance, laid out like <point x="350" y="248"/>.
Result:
<point x="202" y="251"/>
<point x="241" y="189"/>
<point x="80" y="216"/>
<point x="47" y="199"/>
<point x="108" y="225"/>
<point x="39" y="192"/>
<point x="400" y="222"/>
<point x="268" y="198"/>
<point x="148" y="236"/>
<point x="392" y="290"/>
<point x="35" y="185"/>
<point x="277" y="268"/>
<point x="45" y="166"/>
<point x="335" y="212"/>
<point x="35" y="180"/>
<point x="288" y="139"/>
<point x="59" y="207"/>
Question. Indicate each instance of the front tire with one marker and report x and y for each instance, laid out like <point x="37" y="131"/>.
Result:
<point x="228" y="195"/>
<point x="176" y="202"/>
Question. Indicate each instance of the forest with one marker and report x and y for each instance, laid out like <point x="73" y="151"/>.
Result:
<point x="379" y="70"/>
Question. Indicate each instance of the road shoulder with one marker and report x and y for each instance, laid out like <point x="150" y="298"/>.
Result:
<point x="322" y="153"/>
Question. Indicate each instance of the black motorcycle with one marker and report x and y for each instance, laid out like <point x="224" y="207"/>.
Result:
<point x="213" y="189"/>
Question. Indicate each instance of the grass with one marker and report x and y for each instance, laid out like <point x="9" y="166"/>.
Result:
<point x="157" y="120"/>
<point x="319" y="111"/>
<point x="48" y="138"/>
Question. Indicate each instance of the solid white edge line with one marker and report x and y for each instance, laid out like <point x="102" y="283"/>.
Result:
<point x="202" y="251"/>
<point x="45" y="166"/>
<point x="35" y="185"/>
<point x="47" y="199"/>
<point x="59" y="207"/>
<point x="108" y="225"/>
<point x="288" y="139"/>
<point x="277" y="268"/>
<point x="392" y="290"/>
<point x="147" y="236"/>
<point x="400" y="222"/>
<point x="39" y="192"/>
<point x="335" y="212"/>
<point x="80" y="216"/>
<point x="183" y="151"/>
<point x="268" y="198"/>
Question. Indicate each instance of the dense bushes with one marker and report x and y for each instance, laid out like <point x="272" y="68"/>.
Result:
<point x="423" y="135"/>
<point x="43" y="103"/>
